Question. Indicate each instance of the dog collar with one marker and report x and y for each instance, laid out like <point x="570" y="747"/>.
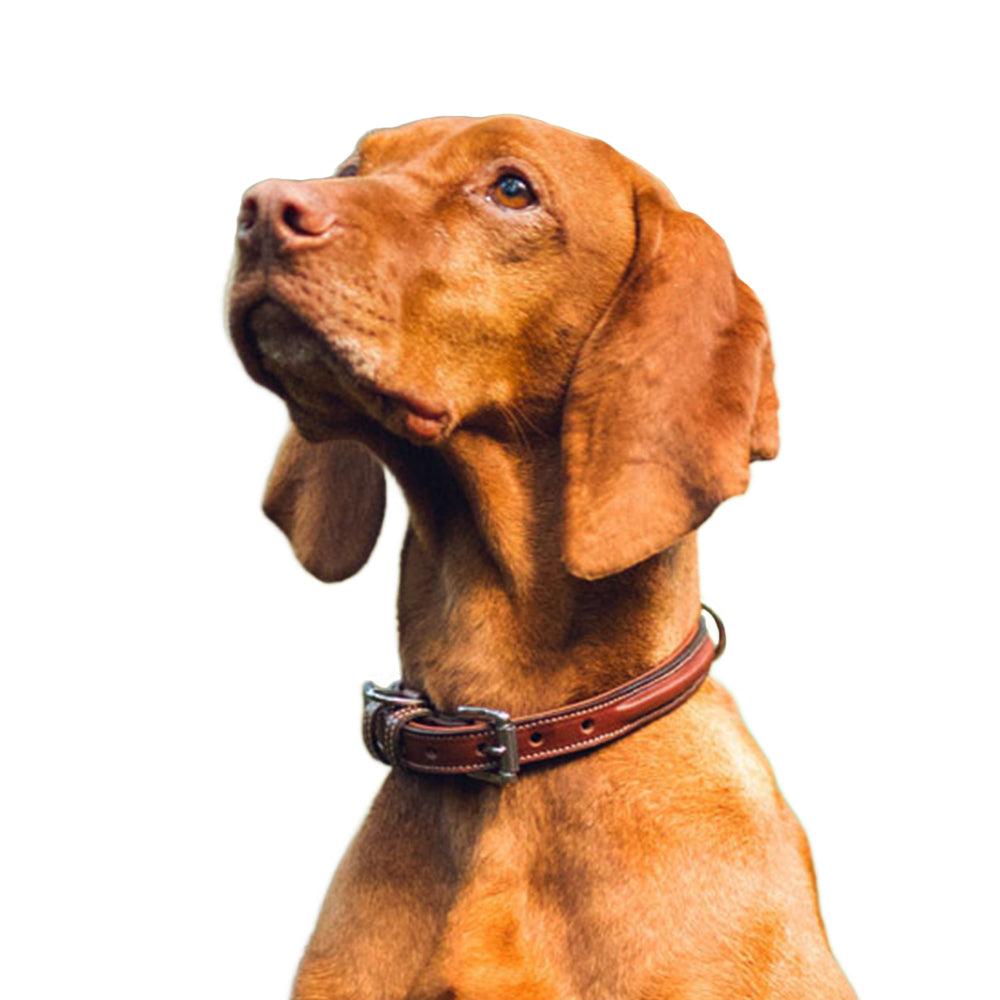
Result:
<point x="402" y="728"/>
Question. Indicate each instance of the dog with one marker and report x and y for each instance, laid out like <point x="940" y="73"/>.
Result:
<point x="566" y="377"/>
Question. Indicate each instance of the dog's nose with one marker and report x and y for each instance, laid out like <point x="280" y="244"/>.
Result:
<point x="285" y="212"/>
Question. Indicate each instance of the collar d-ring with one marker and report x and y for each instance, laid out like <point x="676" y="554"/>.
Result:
<point x="720" y="646"/>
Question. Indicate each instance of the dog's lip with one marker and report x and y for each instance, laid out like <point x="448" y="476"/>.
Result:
<point x="423" y="421"/>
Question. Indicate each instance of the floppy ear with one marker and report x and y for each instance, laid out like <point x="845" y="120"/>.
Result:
<point x="671" y="399"/>
<point x="329" y="499"/>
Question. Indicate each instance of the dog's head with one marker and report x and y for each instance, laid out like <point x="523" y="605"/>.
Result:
<point x="479" y="276"/>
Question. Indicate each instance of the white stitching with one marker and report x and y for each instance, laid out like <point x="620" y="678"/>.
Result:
<point x="558" y="751"/>
<point x="611" y="733"/>
<point x="529" y="724"/>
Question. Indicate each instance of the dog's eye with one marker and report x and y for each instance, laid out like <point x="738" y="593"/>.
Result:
<point x="348" y="170"/>
<point x="512" y="191"/>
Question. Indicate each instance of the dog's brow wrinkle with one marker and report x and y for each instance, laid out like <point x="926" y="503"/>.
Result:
<point x="419" y="177"/>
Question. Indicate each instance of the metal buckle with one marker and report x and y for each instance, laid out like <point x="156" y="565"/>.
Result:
<point x="503" y="748"/>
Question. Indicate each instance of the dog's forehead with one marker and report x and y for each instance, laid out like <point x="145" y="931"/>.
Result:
<point x="474" y="140"/>
<point x="401" y="143"/>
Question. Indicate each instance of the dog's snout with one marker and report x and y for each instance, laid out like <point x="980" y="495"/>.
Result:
<point x="285" y="212"/>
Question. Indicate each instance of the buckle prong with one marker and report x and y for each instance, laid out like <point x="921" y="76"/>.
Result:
<point x="503" y="747"/>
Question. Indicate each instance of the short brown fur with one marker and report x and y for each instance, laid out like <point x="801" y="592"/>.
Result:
<point x="564" y="392"/>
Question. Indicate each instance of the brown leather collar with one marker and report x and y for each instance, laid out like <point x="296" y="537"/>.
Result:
<point x="401" y="727"/>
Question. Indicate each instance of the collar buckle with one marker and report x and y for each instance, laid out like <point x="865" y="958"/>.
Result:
<point x="503" y="747"/>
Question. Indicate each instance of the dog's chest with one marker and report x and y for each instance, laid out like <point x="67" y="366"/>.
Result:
<point x="584" y="881"/>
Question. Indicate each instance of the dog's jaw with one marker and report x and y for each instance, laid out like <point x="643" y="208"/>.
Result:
<point x="328" y="381"/>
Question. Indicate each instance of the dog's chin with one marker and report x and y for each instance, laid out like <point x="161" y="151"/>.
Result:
<point x="330" y="387"/>
<point x="289" y="351"/>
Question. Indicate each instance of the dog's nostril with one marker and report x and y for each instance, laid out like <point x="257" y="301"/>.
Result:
<point x="247" y="217"/>
<point x="305" y="219"/>
<point x="291" y="216"/>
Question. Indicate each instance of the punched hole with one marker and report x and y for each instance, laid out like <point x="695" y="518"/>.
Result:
<point x="536" y="738"/>
<point x="587" y="725"/>
<point x="481" y="749"/>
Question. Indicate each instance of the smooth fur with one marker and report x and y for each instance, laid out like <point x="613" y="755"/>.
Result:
<point x="564" y="392"/>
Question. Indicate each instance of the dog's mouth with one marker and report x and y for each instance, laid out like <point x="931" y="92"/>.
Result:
<point x="328" y="380"/>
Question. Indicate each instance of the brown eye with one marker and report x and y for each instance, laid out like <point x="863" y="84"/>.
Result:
<point x="512" y="191"/>
<point x="347" y="170"/>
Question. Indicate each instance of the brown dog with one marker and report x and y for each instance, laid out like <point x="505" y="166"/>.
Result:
<point x="566" y="377"/>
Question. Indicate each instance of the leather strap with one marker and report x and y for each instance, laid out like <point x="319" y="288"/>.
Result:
<point x="402" y="728"/>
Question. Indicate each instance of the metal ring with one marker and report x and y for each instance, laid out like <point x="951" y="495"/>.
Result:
<point x="394" y="694"/>
<point x="720" y="646"/>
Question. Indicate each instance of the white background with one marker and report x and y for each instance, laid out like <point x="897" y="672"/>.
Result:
<point x="180" y="766"/>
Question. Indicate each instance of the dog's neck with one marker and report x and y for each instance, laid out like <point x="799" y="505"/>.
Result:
<point x="488" y="613"/>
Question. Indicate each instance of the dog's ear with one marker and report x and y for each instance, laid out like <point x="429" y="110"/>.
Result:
<point x="671" y="398"/>
<point x="329" y="499"/>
